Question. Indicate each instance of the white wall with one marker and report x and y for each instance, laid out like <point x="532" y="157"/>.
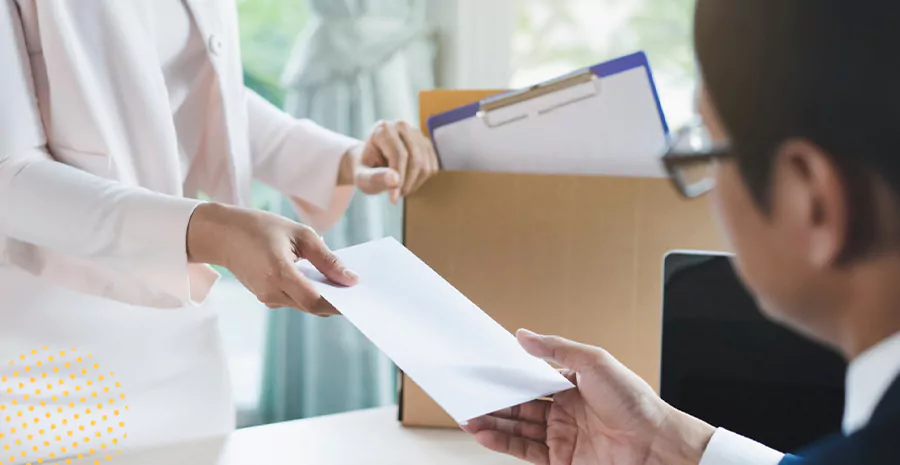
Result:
<point x="475" y="42"/>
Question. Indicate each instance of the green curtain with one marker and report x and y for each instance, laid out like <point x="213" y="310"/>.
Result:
<point x="359" y="62"/>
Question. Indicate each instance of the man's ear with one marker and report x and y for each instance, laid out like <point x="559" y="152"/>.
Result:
<point x="812" y="196"/>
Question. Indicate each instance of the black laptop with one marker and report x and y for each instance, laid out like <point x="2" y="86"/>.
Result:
<point x="723" y="362"/>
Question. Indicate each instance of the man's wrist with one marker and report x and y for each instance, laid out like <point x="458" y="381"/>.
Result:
<point x="681" y="440"/>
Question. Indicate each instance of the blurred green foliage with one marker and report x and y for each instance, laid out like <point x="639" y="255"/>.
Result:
<point x="269" y="30"/>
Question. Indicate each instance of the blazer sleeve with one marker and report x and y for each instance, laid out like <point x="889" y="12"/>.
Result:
<point x="300" y="159"/>
<point x="76" y="229"/>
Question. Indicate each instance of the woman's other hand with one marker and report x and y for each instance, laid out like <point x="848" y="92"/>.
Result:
<point x="396" y="158"/>
<point x="261" y="249"/>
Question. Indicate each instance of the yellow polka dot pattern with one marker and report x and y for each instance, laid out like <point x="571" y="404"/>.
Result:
<point x="59" y="405"/>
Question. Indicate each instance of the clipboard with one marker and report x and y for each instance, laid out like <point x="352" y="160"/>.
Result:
<point x="603" y="120"/>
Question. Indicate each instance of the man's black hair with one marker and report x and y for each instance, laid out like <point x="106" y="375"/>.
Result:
<point x="827" y="71"/>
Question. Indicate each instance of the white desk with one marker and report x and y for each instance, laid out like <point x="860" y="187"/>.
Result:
<point x="370" y="437"/>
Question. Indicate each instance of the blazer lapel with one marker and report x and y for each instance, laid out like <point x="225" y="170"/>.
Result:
<point x="888" y="409"/>
<point x="848" y="449"/>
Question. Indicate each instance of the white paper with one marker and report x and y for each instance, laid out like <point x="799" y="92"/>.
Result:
<point x="617" y="132"/>
<point x="461" y="357"/>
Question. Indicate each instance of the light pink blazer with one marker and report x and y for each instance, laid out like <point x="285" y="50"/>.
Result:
<point x="92" y="195"/>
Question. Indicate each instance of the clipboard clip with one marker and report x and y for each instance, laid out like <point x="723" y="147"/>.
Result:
<point x="570" y="81"/>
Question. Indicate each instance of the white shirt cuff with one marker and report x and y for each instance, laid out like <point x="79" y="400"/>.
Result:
<point x="727" y="448"/>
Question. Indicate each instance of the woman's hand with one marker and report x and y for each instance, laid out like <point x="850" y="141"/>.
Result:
<point x="262" y="249"/>
<point x="396" y="158"/>
<point x="612" y="417"/>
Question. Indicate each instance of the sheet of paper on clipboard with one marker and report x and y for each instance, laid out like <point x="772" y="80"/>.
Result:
<point x="606" y="119"/>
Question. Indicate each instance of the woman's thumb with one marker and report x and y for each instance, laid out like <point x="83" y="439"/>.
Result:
<point x="563" y="352"/>
<point x="377" y="180"/>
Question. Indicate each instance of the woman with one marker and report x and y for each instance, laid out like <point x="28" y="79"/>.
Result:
<point x="115" y="116"/>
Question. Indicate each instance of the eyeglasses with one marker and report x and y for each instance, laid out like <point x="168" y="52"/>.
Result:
<point x="691" y="158"/>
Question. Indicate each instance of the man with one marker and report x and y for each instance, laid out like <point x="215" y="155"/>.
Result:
<point x="801" y="102"/>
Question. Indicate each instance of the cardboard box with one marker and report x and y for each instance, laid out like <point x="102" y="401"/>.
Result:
<point x="577" y="256"/>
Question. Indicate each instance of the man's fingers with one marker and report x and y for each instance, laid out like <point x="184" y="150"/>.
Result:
<point x="524" y="449"/>
<point x="311" y="247"/>
<point x="515" y="428"/>
<point x="534" y="412"/>
<point x="561" y="351"/>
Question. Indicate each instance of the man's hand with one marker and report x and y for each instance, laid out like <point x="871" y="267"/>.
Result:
<point x="262" y="249"/>
<point x="396" y="158"/>
<point x="613" y="417"/>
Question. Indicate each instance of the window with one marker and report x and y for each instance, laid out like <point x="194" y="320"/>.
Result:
<point x="553" y="37"/>
<point x="269" y="30"/>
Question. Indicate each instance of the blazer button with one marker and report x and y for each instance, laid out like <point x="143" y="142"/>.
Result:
<point x="215" y="44"/>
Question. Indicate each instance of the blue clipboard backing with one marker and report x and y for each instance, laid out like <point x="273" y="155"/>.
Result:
<point x="609" y="68"/>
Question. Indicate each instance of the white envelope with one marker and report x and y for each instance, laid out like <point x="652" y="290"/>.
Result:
<point x="466" y="361"/>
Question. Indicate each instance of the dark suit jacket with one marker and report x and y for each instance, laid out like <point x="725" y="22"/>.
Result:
<point x="876" y="444"/>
